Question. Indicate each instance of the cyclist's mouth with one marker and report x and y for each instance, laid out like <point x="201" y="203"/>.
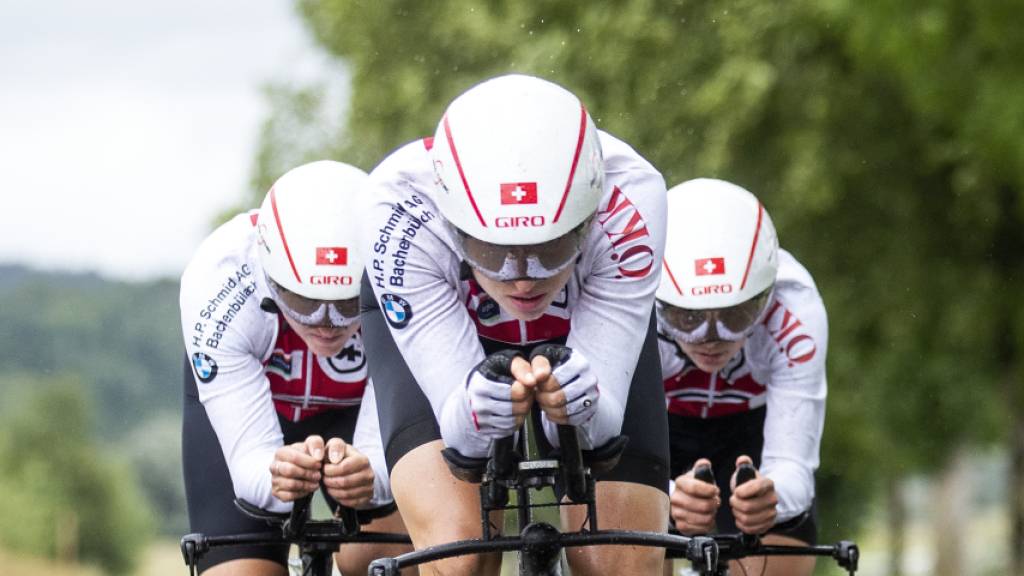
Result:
<point x="709" y="357"/>
<point x="526" y="303"/>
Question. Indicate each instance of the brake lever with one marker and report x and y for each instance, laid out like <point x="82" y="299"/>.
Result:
<point x="847" y="555"/>
<point x="192" y="547"/>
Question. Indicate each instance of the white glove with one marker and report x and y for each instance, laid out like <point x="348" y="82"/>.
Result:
<point x="489" y="394"/>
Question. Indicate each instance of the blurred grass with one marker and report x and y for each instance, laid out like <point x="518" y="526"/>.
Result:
<point x="18" y="565"/>
<point x="162" y="557"/>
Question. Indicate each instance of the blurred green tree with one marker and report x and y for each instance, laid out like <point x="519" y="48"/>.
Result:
<point x="68" y="497"/>
<point x="122" y="343"/>
<point x="886" y="139"/>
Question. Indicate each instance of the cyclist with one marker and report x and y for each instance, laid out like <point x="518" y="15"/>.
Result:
<point x="518" y="223"/>
<point x="742" y="335"/>
<point x="277" y="399"/>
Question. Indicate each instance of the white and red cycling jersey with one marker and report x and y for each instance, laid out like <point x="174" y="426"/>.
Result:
<point x="303" y="383"/>
<point x="248" y="364"/>
<point x="436" y="316"/>
<point x="781" y="365"/>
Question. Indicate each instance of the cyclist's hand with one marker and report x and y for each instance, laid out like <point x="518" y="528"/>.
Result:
<point x="295" y="470"/>
<point x="694" y="503"/>
<point x="348" y="476"/>
<point x="498" y="400"/>
<point x="523" y="389"/>
<point x="568" y="393"/>
<point x="753" y="502"/>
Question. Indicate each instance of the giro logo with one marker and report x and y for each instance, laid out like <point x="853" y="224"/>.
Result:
<point x="331" y="256"/>
<point x="713" y="289"/>
<point x="204" y="366"/>
<point x="518" y="221"/>
<point x="709" y="266"/>
<point x="519" y="193"/>
<point x="396" y="310"/>
<point x="330" y="280"/>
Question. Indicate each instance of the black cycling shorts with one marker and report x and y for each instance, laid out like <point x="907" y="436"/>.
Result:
<point x="407" y="420"/>
<point x="721" y="440"/>
<point x="208" y="488"/>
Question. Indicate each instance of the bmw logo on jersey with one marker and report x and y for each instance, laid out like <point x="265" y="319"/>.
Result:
<point x="205" y="367"/>
<point x="396" y="309"/>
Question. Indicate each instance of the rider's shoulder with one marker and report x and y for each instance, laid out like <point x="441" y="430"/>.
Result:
<point x="620" y="157"/>
<point x="409" y="162"/>
<point x="224" y="275"/>
<point x="230" y="245"/>
<point x="794" y="285"/>
<point x="630" y="182"/>
<point x="795" y="322"/>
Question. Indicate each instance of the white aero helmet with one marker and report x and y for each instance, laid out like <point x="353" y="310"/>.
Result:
<point x="518" y="164"/>
<point x="721" y="254"/>
<point x="308" y="233"/>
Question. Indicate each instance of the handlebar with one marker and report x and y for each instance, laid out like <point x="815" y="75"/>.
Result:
<point x="540" y="543"/>
<point x="295" y="527"/>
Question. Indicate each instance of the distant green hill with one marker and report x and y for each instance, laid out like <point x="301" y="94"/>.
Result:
<point x="121" y="340"/>
<point x="119" y="346"/>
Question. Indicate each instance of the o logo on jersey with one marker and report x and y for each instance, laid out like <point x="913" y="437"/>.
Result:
<point x="351" y="360"/>
<point x="396" y="309"/>
<point x="205" y="367"/>
<point x="488" y="312"/>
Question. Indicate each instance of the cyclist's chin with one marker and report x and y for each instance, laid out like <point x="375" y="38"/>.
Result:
<point x="711" y="357"/>
<point x="326" y="350"/>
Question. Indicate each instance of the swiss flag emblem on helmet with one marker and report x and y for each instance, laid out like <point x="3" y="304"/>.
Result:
<point x="709" y="266"/>
<point x="519" y="193"/>
<point x="331" y="256"/>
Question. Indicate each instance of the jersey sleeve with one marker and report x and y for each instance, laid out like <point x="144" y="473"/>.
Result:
<point x="414" y="275"/>
<point x="367" y="440"/>
<point x="622" y="271"/>
<point x="225" y="335"/>
<point x="798" y="327"/>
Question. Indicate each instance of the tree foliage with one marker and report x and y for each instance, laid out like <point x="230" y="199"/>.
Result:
<point x="885" y="138"/>
<point x="121" y="346"/>
<point x="64" y="490"/>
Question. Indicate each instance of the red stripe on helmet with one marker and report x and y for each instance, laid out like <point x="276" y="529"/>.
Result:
<point x="753" y="245"/>
<point x="280" y="230"/>
<point x="575" y="160"/>
<point x="671" y="276"/>
<point x="428" y="142"/>
<point x="458" y="165"/>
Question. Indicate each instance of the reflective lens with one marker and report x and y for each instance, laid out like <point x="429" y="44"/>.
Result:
<point x="535" y="261"/>
<point x="312" y="312"/>
<point x="693" y="326"/>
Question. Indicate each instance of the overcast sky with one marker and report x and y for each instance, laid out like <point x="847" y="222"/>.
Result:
<point x="126" y="126"/>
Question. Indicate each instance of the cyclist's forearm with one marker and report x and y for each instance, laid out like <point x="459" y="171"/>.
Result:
<point x="794" y="486"/>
